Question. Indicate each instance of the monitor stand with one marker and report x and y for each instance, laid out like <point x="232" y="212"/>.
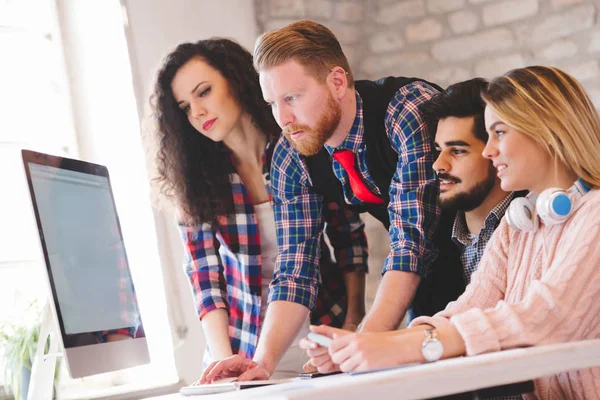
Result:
<point x="43" y="367"/>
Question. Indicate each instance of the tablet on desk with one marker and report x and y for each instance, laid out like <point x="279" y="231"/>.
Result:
<point x="226" y="385"/>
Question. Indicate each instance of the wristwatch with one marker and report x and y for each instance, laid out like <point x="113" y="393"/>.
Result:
<point x="432" y="348"/>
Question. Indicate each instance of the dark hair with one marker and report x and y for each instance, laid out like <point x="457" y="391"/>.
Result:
<point x="460" y="100"/>
<point x="192" y="169"/>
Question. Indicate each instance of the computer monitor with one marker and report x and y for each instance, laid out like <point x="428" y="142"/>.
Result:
<point x="92" y="294"/>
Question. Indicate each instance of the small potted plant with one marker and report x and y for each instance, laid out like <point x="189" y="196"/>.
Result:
<point x="19" y="338"/>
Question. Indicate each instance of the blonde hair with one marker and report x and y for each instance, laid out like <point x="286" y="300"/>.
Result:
<point x="552" y="108"/>
<point x="309" y="43"/>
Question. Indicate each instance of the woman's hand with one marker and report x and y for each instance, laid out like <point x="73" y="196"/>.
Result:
<point x="366" y="351"/>
<point x="350" y="351"/>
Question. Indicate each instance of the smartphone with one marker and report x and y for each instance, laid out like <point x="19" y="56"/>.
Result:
<point x="319" y="339"/>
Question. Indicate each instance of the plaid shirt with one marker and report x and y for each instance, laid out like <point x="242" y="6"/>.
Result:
<point x="472" y="246"/>
<point x="223" y="263"/>
<point x="413" y="198"/>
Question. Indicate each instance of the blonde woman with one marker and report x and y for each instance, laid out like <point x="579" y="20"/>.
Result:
<point x="539" y="279"/>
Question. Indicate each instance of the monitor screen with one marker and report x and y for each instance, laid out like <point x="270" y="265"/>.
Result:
<point x="92" y="289"/>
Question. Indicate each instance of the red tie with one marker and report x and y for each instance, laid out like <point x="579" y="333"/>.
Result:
<point x="361" y="191"/>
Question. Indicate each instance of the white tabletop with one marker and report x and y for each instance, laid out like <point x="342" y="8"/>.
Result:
<point x="430" y="380"/>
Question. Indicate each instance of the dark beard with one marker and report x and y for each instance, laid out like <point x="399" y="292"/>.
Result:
<point x="467" y="201"/>
<point x="315" y="139"/>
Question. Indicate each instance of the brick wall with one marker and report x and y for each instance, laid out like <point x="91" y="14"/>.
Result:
<point x="447" y="41"/>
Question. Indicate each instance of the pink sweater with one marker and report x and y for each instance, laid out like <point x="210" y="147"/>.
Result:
<point x="536" y="288"/>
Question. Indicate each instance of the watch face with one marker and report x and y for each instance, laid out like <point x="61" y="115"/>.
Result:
<point x="432" y="350"/>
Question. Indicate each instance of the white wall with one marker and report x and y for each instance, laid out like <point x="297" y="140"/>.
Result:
<point x="157" y="26"/>
<point x="154" y="28"/>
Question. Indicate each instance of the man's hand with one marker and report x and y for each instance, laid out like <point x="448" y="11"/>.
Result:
<point x="320" y="360"/>
<point x="244" y="369"/>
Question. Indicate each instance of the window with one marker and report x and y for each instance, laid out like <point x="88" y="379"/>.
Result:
<point x="40" y="109"/>
<point x="35" y="113"/>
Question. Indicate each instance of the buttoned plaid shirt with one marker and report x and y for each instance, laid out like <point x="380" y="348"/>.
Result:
<point x="472" y="246"/>
<point x="223" y="264"/>
<point x="413" y="194"/>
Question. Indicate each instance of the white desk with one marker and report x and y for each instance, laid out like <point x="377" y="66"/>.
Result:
<point x="430" y="380"/>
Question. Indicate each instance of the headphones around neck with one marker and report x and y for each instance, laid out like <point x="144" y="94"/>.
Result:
<point x="553" y="206"/>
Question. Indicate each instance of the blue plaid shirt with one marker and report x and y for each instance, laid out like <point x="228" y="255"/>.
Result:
<point x="413" y="194"/>
<point x="472" y="246"/>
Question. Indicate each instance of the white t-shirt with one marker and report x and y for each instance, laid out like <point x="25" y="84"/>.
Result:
<point x="293" y="360"/>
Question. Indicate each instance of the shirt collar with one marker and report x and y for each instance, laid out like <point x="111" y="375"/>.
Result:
<point x="354" y="138"/>
<point x="460" y="232"/>
<point x="501" y="207"/>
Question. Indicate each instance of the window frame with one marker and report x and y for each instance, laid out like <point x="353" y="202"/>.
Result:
<point x="80" y="143"/>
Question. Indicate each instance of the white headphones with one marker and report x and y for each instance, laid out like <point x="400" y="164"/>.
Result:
<point x="554" y="206"/>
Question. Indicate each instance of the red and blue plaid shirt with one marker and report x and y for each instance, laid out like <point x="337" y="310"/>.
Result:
<point x="223" y="263"/>
<point x="413" y="191"/>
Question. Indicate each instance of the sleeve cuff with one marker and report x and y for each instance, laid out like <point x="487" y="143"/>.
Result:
<point x="436" y="322"/>
<point x="204" y="309"/>
<point x="295" y="294"/>
<point x="475" y="329"/>
<point x="403" y="262"/>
